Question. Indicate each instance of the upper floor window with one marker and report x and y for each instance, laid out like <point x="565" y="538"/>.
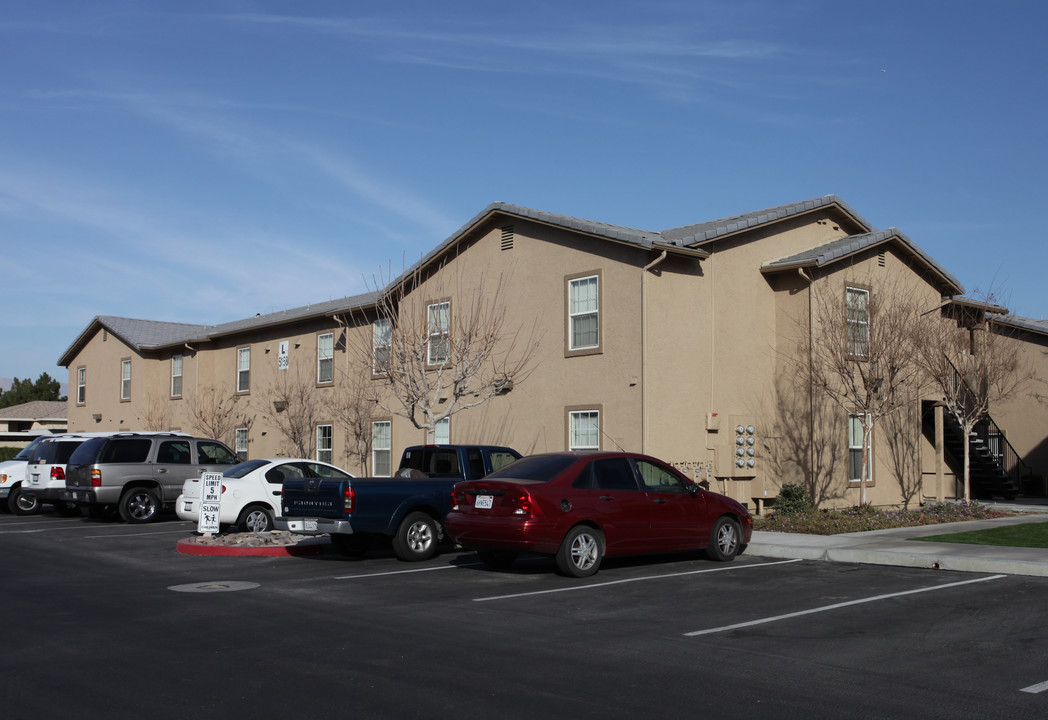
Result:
<point x="857" y="303"/>
<point x="125" y="379"/>
<point x="176" y="376"/>
<point x="584" y="313"/>
<point x="243" y="369"/>
<point x="81" y="385"/>
<point x="381" y="345"/>
<point x="439" y="323"/>
<point x="325" y="357"/>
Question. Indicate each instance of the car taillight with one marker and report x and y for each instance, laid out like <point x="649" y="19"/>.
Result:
<point x="523" y="505"/>
<point x="57" y="473"/>
<point x="96" y="478"/>
<point x="458" y="498"/>
<point x="349" y="496"/>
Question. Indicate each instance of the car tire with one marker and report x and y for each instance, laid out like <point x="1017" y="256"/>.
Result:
<point x="19" y="504"/>
<point x="581" y="552"/>
<point x="725" y="540"/>
<point x="352" y="545"/>
<point x="497" y="559"/>
<point x="416" y="538"/>
<point x="255" y="519"/>
<point x="139" y="505"/>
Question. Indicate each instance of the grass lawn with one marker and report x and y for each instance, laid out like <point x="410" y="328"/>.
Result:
<point x="1034" y="535"/>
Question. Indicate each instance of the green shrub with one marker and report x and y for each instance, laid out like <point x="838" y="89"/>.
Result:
<point x="793" y="498"/>
<point x="6" y="453"/>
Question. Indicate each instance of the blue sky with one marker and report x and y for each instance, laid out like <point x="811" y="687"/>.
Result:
<point x="203" y="161"/>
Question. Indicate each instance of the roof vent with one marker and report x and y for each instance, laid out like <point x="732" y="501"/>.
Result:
<point x="507" y="237"/>
<point x="880" y="258"/>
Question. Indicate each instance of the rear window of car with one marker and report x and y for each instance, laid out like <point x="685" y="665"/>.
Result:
<point x="432" y="460"/>
<point x="537" y="467"/>
<point x="239" y="471"/>
<point x="54" y="452"/>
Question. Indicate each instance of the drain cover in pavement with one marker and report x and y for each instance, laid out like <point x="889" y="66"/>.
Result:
<point x="210" y="587"/>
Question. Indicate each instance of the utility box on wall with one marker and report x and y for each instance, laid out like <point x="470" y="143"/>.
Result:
<point x="745" y="459"/>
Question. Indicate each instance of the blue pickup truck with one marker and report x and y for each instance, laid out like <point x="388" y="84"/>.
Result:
<point x="409" y="507"/>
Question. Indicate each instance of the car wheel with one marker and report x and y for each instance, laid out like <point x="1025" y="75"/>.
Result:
<point x="139" y="505"/>
<point x="417" y="537"/>
<point x="497" y="559"/>
<point x="725" y="540"/>
<point x="581" y="552"/>
<point x="256" y="519"/>
<point x="352" y="545"/>
<point x="20" y="504"/>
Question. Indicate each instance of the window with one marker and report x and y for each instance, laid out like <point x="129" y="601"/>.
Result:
<point x="584" y="313"/>
<point x="81" y="385"/>
<point x="855" y="450"/>
<point x="381" y="465"/>
<point x="324" y="453"/>
<point x="240" y="440"/>
<point x="125" y="379"/>
<point x="174" y="452"/>
<point x="243" y="369"/>
<point x="210" y="452"/>
<point x="381" y="345"/>
<point x="442" y="432"/>
<point x="439" y="321"/>
<point x="325" y="358"/>
<point x="659" y="479"/>
<point x="858" y="316"/>
<point x="584" y="430"/>
<point x="176" y="376"/>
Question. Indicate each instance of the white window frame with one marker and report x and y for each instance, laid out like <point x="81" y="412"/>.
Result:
<point x="381" y="342"/>
<point x="442" y="432"/>
<point x="326" y="358"/>
<point x="125" y="379"/>
<point x="243" y="369"/>
<point x="438" y="324"/>
<point x="81" y="386"/>
<point x="855" y="432"/>
<point x="857" y="317"/>
<point x="176" y="376"/>
<point x="580" y="309"/>
<point x="591" y="441"/>
<point x="325" y="443"/>
<point x="240" y="442"/>
<point x="382" y="447"/>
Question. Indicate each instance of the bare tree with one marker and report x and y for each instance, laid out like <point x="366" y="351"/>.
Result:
<point x="967" y="359"/>
<point x="351" y="406"/>
<point x="157" y="414"/>
<point x="863" y="356"/>
<point x="290" y="405"/>
<point x="434" y="358"/>
<point x="216" y="414"/>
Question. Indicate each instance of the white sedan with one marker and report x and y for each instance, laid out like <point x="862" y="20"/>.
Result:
<point x="251" y="491"/>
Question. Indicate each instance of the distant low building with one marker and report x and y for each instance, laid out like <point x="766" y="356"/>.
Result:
<point x="21" y="424"/>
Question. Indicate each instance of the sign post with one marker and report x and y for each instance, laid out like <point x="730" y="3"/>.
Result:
<point x="210" y="503"/>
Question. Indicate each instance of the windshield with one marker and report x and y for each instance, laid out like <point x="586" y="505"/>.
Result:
<point x="26" y="453"/>
<point x="537" y="467"/>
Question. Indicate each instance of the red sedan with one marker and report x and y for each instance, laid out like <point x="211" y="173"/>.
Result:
<point x="579" y="507"/>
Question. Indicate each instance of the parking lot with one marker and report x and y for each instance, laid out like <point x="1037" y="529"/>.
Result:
<point x="105" y="619"/>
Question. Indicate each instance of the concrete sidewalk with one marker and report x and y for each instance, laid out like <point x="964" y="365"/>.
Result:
<point x="894" y="547"/>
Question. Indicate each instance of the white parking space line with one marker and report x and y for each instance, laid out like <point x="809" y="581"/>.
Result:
<point x="1038" y="688"/>
<point x="404" y="572"/>
<point x="123" y="535"/>
<point x="837" y="606"/>
<point x="574" y="588"/>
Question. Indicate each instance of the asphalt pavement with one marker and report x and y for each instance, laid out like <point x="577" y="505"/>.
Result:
<point x="896" y="546"/>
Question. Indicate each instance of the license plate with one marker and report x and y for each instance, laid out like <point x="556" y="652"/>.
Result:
<point x="310" y="525"/>
<point x="483" y="501"/>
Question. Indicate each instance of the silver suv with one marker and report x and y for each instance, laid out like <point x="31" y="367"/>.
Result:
<point x="139" y="473"/>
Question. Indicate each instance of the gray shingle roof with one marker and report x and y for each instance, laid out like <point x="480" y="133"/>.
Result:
<point x="1022" y="323"/>
<point x="36" y="410"/>
<point x="713" y="229"/>
<point x="848" y="246"/>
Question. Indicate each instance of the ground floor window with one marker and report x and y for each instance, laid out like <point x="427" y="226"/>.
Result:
<point x="381" y="448"/>
<point x="324" y="443"/>
<point x="240" y="439"/>
<point x="442" y="432"/>
<point x="855" y="422"/>
<point x="584" y="430"/>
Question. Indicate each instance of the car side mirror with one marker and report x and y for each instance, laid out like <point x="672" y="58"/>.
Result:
<point x="693" y="489"/>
